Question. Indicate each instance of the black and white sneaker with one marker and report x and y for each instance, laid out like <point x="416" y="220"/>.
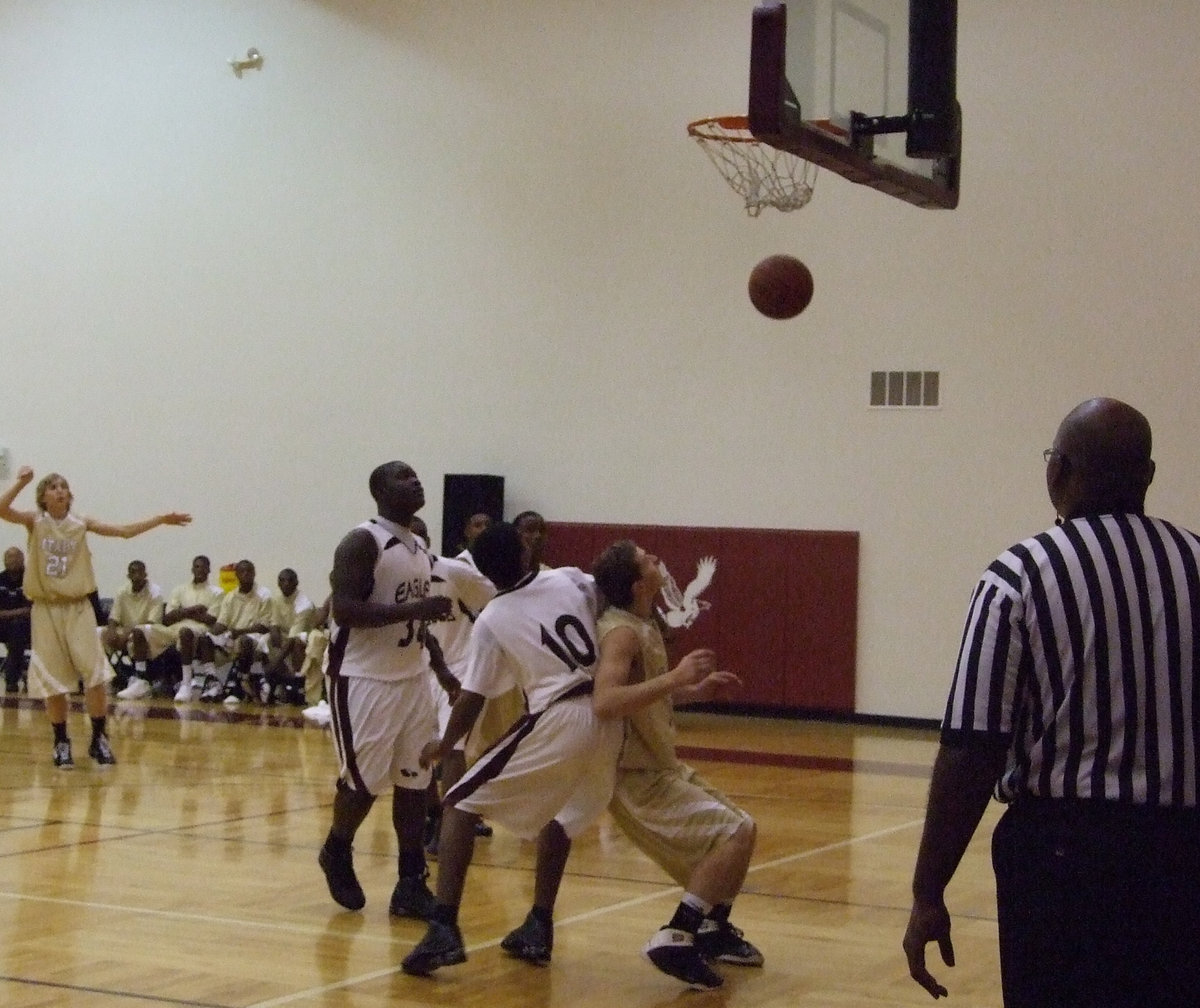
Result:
<point x="725" y="943"/>
<point x="441" y="946"/>
<point x="62" y="755"/>
<point x="101" y="751"/>
<point x="674" y="952"/>
<point x="212" y="690"/>
<point x="533" y="941"/>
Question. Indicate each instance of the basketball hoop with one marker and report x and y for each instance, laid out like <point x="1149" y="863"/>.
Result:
<point x="762" y="175"/>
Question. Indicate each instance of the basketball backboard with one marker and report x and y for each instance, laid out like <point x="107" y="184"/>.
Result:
<point x="865" y="88"/>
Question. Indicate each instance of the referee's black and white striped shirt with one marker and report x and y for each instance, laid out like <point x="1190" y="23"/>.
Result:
<point x="1080" y="649"/>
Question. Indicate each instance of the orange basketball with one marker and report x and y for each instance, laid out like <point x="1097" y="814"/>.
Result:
<point x="780" y="286"/>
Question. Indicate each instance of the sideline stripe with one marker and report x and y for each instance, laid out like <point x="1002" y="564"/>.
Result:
<point x="178" y="915"/>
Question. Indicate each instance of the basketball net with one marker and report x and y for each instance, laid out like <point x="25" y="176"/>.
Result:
<point x="761" y="174"/>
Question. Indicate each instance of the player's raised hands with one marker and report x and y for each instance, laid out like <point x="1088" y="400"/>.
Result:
<point x="694" y="666"/>
<point x="713" y="685"/>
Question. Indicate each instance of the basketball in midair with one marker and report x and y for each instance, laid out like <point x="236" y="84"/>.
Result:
<point x="780" y="286"/>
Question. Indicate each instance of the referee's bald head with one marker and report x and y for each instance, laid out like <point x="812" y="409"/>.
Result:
<point x="1103" y="447"/>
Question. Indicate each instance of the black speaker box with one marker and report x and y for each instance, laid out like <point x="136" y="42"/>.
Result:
<point x="465" y="494"/>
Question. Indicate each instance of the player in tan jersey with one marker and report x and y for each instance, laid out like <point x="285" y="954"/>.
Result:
<point x="137" y="604"/>
<point x="292" y="616"/>
<point x="692" y="831"/>
<point x="58" y="580"/>
<point x="135" y="628"/>
<point x="242" y="616"/>
<point x="311" y="675"/>
<point x="190" y="611"/>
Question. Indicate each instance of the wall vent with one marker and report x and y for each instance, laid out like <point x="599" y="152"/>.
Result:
<point x="920" y="389"/>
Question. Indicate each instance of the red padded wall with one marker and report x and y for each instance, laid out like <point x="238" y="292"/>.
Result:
<point x="783" y="604"/>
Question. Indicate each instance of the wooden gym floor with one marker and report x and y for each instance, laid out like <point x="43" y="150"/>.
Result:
<point x="186" y="875"/>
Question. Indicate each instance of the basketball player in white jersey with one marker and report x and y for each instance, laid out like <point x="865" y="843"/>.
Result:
<point x="468" y="591"/>
<point x="58" y="581"/>
<point x="377" y="676"/>
<point x="500" y="713"/>
<point x="557" y="764"/>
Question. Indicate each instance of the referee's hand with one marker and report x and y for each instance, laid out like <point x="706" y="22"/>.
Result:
<point x="928" y="922"/>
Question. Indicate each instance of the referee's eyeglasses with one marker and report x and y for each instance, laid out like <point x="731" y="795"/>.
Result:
<point x="1049" y="453"/>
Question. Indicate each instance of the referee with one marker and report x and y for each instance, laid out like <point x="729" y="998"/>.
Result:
<point x="1076" y="700"/>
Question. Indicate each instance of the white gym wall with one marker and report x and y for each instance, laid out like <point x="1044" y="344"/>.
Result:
<point x="475" y="236"/>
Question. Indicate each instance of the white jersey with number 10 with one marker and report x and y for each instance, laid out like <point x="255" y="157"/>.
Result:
<point x="539" y="635"/>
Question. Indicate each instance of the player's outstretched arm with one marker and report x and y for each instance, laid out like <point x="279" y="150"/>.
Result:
<point x="137" y="528"/>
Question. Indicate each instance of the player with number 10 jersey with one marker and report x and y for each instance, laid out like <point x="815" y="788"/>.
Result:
<point x="559" y="761"/>
<point x="539" y="635"/>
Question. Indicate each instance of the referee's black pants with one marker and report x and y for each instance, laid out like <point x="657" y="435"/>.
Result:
<point x="1098" y="905"/>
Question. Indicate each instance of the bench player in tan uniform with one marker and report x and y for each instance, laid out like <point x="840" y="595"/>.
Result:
<point x="292" y="617"/>
<point x="58" y="580"/>
<point x="135" y="629"/>
<point x="190" y="611"/>
<point x="232" y="642"/>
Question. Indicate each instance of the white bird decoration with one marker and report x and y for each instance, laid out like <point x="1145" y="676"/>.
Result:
<point x="682" y="608"/>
